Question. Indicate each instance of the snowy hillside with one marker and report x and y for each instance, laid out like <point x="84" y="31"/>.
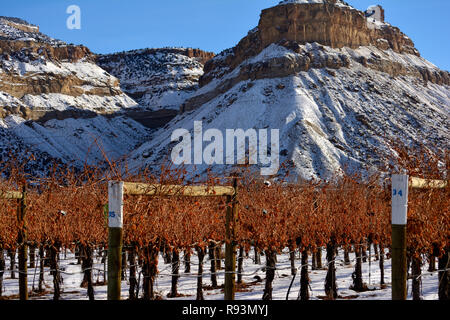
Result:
<point x="336" y="97"/>
<point x="18" y="29"/>
<point x="56" y="103"/>
<point x="156" y="78"/>
<point x="337" y="2"/>
<point x="328" y="118"/>
<point x="80" y="85"/>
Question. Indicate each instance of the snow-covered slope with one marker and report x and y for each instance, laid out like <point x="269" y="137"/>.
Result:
<point x="283" y="280"/>
<point x="336" y="98"/>
<point x="20" y="30"/>
<point x="60" y="83"/>
<point x="75" y="141"/>
<point x="57" y="103"/>
<point x="157" y="78"/>
<point x="337" y="113"/>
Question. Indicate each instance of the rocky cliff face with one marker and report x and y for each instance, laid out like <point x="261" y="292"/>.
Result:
<point x="331" y="24"/>
<point x="30" y="68"/>
<point x="19" y="25"/>
<point x="336" y="85"/>
<point x="45" y="85"/>
<point x="48" y="75"/>
<point x="199" y="55"/>
<point x="16" y="29"/>
<point x="158" y="79"/>
<point x="223" y="77"/>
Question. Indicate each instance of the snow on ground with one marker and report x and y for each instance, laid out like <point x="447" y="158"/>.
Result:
<point x="187" y="283"/>
<point x="74" y="140"/>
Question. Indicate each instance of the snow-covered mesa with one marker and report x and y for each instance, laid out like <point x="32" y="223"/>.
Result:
<point x="86" y="72"/>
<point x="328" y="118"/>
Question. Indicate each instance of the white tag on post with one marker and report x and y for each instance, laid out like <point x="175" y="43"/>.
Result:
<point x="399" y="196"/>
<point x="115" y="206"/>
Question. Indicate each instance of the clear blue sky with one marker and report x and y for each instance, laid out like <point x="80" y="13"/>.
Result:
<point x="213" y="25"/>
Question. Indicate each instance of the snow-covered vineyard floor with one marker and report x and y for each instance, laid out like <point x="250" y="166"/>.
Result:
<point x="72" y="278"/>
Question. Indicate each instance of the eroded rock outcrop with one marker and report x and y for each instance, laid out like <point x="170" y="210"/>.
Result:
<point x="329" y="25"/>
<point x="158" y="79"/>
<point x="58" y="104"/>
<point x="20" y="25"/>
<point x="47" y="75"/>
<point x="30" y="48"/>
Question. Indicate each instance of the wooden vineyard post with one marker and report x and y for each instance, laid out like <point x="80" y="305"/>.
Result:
<point x="399" y="220"/>
<point x="115" y="238"/>
<point x="116" y="190"/>
<point x="230" y="245"/>
<point x="23" y="247"/>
